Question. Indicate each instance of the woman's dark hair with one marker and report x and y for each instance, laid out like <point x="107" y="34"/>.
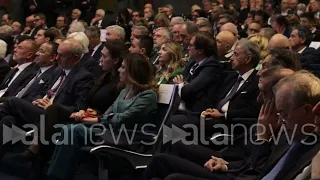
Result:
<point x="139" y="71"/>
<point x="117" y="50"/>
<point x="201" y="12"/>
<point x="123" y="17"/>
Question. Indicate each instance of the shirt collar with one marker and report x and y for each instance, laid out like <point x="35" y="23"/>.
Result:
<point x="230" y="52"/>
<point x="44" y="69"/>
<point x="302" y="50"/>
<point x="21" y="67"/>
<point x="313" y="30"/>
<point x="67" y="71"/>
<point x="246" y="75"/>
<point x="200" y="62"/>
<point x="95" y="48"/>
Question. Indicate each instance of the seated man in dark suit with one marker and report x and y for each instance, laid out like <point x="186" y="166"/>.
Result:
<point x="68" y="90"/>
<point x="191" y="158"/>
<point x="271" y="157"/>
<point x="95" y="46"/>
<point x="307" y="19"/>
<point x="19" y="77"/>
<point x="201" y="76"/>
<point x="42" y="79"/>
<point x="300" y="39"/>
<point x="237" y="97"/>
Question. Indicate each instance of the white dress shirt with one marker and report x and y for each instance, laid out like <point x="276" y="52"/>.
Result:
<point x="95" y="49"/>
<point x="245" y="77"/>
<point x="57" y="83"/>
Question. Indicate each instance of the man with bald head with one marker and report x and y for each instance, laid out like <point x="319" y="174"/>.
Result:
<point x="225" y="42"/>
<point x="279" y="41"/>
<point x="69" y="87"/>
<point x="17" y="78"/>
<point x="231" y="28"/>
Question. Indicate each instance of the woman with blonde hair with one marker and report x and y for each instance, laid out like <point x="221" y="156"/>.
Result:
<point x="170" y="62"/>
<point x="161" y="20"/>
<point x="263" y="42"/>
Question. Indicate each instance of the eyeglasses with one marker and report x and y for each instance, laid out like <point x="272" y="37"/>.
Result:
<point x="283" y="117"/>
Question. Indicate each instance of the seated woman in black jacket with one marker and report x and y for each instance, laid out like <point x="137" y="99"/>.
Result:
<point x="99" y="98"/>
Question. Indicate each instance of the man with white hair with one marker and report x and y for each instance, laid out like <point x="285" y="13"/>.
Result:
<point x="137" y="31"/>
<point x="75" y="16"/>
<point x="97" y="20"/>
<point x="4" y="66"/>
<point x="76" y="27"/>
<point x="115" y="32"/>
<point x="86" y="60"/>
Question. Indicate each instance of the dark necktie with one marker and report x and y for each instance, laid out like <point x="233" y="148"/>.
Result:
<point x="12" y="73"/>
<point x="52" y="91"/>
<point x="91" y="51"/>
<point x="231" y="94"/>
<point x="193" y="68"/>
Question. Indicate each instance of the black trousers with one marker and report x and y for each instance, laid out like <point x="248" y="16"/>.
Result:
<point x="17" y="112"/>
<point x="165" y="165"/>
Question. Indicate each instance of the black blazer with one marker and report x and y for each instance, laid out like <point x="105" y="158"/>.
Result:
<point x="309" y="56"/>
<point x="74" y="88"/>
<point x="97" y="55"/>
<point x="4" y="69"/>
<point x="64" y="31"/>
<point x="21" y="80"/>
<point x="39" y="88"/>
<point x="91" y="65"/>
<point x="103" y="94"/>
<point x="244" y="103"/>
<point x="201" y="91"/>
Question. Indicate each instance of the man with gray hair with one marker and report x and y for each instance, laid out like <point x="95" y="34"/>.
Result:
<point x="267" y="32"/>
<point x="95" y="46"/>
<point x="300" y="39"/>
<point x="176" y="20"/>
<point x="137" y="31"/>
<point x="188" y="29"/>
<point x="161" y="36"/>
<point x="76" y="27"/>
<point x="115" y="32"/>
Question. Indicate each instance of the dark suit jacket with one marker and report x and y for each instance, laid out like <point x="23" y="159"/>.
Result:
<point x="21" y="80"/>
<point x="64" y="31"/>
<point x="91" y="65"/>
<point x="97" y="55"/>
<point x="287" y="32"/>
<point x="4" y="69"/>
<point x="244" y="103"/>
<point x="103" y="94"/>
<point x="264" y="158"/>
<point x="309" y="56"/>
<point x="74" y="88"/>
<point x="39" y="88"/>
<point x="203" y="86"/>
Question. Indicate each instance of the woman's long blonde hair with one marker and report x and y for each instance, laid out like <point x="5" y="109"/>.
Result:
<point x="263" y="44"/>
<point x="175" y="59"/>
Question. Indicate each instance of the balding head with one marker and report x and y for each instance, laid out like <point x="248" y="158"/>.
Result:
<point x="268" y="79"/>
<point x="231" y="28"/>
<point x="279" y="41"/>
<point x="225" y="40"/>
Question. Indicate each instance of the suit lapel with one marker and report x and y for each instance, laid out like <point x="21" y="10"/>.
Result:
<point x="245" y="84"/>
<point x="7" y="78"/>
<point x="67" y="79"/>
<point x="22" y="75"/>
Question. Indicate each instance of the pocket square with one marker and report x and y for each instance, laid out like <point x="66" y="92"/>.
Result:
<point x="41" y="81"/>
<point x="243" y="92"/>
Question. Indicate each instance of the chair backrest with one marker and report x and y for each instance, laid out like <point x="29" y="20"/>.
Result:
<point x="167" y="100"/>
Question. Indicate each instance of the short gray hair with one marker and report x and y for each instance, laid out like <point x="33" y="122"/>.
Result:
<point x="191" y="27"/>
<point x="75" y="46"/>
<point x="166" y="33"/>
<point x="142" y="29"/>
<point x="177" y="20"/>
<point x="6" y="30"/>
<point x="118" y="30"/>
<point x="94" y="31"/>
<point x="304" y="86"/>
<point x="251" y="48"/>
<point x="77" y="27"/>
<point x="3" y="49"/>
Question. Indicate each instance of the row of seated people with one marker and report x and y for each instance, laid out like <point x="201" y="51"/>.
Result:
<point x="69" y="86"/>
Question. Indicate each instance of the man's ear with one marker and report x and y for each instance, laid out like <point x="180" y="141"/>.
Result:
<point x="143" y="51"/>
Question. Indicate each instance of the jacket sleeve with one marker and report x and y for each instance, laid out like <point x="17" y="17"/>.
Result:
<point x="143" y="104"/>
<point x="207" y="77"/>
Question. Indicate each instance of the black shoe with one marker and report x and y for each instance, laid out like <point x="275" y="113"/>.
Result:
<point x="25" y="157"/>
